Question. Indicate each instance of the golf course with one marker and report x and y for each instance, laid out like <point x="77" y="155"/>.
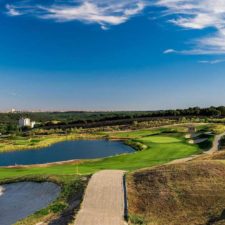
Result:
<point x="153" y="147"/>
<point x="159" y="147"/>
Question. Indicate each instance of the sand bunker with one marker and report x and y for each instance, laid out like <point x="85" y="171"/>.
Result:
<point x="194" y="135"/>
<point x="19" y="200"/>
<point x="197" y="141"/>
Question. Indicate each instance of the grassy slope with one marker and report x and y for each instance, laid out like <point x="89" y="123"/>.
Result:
<point x="161" y="149"/>
<point x="191" y="193"/>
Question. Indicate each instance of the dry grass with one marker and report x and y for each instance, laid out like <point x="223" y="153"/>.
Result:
<point x="190" y="194"/>
<point x="23" y="143"/>
<point x="216" y="156"/>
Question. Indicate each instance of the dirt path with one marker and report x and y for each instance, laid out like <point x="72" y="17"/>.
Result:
<point x="215" y="148"/>
<point x="103" y="202"/>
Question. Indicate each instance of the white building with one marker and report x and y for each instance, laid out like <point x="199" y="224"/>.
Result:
<point x="26" y="122"/>
<point x="32" y="124"/>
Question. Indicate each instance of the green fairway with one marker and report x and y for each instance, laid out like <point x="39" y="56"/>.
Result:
<point x="160" y="139"/>
<point x="135" y="134"/>
<point x="160" y="149"/>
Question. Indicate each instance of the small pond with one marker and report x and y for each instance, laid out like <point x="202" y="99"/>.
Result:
<point x="63" y="151"/>
<point x="20" y="200"/>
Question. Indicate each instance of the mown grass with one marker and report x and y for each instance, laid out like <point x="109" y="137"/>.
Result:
<point x="160" y="139"/>
<point x="134" y="134"/>
<point x="166" y="148"/>
<point x="190" y="193"/>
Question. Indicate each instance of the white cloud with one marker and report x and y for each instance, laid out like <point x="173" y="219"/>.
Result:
<point x="168" y="51"/>
<point x="12" y="11"/>
<point x="212" y="62"/>
<point x="198" y="14"/>
<point x="186" y="14"/>
<point x="103" y="12"/>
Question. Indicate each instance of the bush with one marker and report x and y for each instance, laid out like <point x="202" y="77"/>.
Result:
<point x="137" y="220"/>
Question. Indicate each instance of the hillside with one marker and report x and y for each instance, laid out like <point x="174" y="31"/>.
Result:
<point x="191" y="193"/>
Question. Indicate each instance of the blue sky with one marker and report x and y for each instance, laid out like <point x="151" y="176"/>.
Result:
<point x="110" y="55"/>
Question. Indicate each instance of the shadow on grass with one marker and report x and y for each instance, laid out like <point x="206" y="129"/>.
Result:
<point x="216" y="219"/>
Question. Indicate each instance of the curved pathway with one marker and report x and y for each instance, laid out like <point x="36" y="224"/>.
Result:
<point x="215" y="148"/>
<point x="103" y="202"/>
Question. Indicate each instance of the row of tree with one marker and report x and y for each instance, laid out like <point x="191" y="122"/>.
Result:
<point x="8" y="121"/>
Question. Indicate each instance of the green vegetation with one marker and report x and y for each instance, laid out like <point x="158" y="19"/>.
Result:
<point x="222" y="143"/>
<point x="159" y="149"/>
<point x="13" y="143"/>
<point x="218" y="128"/>
<point x="160" y="139"/>
<point x="138" y="119"/>
<point x="189" y="193"/>
<point x="155" y="147"/>
<point x="72" y="188"/>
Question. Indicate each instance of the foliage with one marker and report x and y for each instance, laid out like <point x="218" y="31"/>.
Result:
<point x="222" y="143"/>
<point x="156" y="153"/>
<point x="136" y="220"/>
<point x="218" y="129"/>
<point x="138" y="119"/>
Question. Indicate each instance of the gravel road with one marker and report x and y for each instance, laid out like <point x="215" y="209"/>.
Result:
<point x="103" y="202"/>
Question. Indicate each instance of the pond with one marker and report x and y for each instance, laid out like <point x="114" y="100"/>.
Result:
<point x="63" y="151"/>
<point x="20" y="200"/>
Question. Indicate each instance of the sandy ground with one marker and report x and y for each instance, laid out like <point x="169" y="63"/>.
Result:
<point x="197" y="141"/>
<point x="18" y="200"/>
<point x="192" y="135"/>
<point x="103" y="202"/>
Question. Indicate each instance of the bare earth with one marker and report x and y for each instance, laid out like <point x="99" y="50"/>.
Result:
<point x="103" y="202"/>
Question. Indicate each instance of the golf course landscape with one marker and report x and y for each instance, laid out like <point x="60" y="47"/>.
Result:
<point x="112" y="112"/>
<point x="153" y="148"/>
<point x="159" y="146"/>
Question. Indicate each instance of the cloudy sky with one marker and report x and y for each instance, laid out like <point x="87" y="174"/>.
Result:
<point x="111" y="55"/>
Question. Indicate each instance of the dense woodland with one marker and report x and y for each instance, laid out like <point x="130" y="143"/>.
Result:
<point x="8" y="121"/>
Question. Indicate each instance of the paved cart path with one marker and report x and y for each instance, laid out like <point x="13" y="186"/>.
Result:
<point x="103" y="202"/>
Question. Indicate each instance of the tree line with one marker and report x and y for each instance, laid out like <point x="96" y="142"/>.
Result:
<point x="9" y="121"/>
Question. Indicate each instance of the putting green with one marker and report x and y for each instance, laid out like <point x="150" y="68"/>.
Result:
<point x="160" y="139"/>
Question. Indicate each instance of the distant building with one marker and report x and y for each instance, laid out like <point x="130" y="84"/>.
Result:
<point x="13" y="110"/>
<point x="32" y="124"/>
<point x="26" y="122"/>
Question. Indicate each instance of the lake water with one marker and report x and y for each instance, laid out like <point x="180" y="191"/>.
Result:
<point x="20" y="200"/>
<point x="68" y="150"/>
